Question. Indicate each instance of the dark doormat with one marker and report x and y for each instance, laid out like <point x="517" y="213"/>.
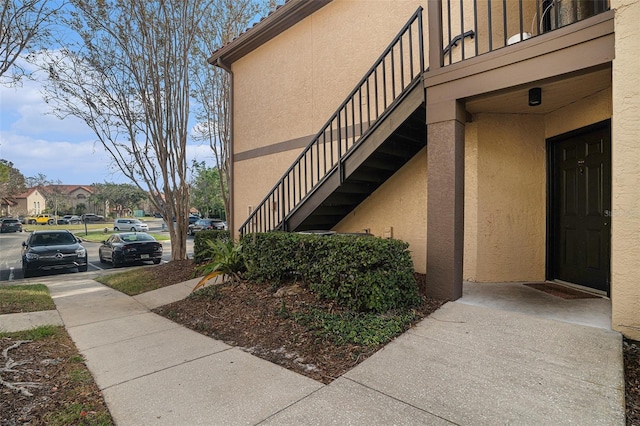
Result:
<point x="562" y="291"/>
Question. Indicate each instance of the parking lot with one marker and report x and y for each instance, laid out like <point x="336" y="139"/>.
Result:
<point x="11" y="251"/>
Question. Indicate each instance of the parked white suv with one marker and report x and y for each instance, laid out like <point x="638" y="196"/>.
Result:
<point x="123" y="224"/>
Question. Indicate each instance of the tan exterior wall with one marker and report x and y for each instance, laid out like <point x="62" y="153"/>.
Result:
<point x="253" y="179"/>
<point x="505" y="188"/>
<point x="398" y="209"/>
<point x="35" y="203"/>
<point x="470" y="260"/>
<point x="625" y="225"/>
<point x="73" y="200"/>
<point x="591" y="110"/>
<point x="290" y="86"/>
<point x="8" y="209"/>
<point x="505" y="195"/>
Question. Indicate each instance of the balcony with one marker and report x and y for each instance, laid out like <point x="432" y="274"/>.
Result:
<point x="512" y="46"/>
<point x="477" y="27"/>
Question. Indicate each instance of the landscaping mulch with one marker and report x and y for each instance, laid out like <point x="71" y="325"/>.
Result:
<point x="631" y="349"/>
<point x="45" y="382"/>
<point x="260" y="320"/>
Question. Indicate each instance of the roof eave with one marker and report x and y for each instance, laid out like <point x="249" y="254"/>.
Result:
<point x="274" y="24"/>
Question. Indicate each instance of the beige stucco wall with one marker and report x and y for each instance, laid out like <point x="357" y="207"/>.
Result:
<point x="505" y="198"/>
<point x="290" y="86"/>
<point x="287" y="89"/>
<point x="253" y="179"/>
<point x="36" y="203"/>
<point x="588" y="111"/>
<point x="505" y="188"/>
<point x="625" y="225"/>
<point x="399" y="206"/>
<point x="73" y="200"/>
<point x="470" y="263"/>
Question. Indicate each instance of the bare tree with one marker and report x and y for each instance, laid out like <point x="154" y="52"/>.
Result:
<point x="129" y="79"/>
<point x="212" y="85"/>
<point x="38" y="180"/>
<point x="22" y="24"/>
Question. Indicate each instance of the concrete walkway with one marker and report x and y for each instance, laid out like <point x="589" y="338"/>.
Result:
<point x="466" y="364"/>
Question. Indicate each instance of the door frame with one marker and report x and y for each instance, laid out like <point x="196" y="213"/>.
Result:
<point x="550" y="272"/>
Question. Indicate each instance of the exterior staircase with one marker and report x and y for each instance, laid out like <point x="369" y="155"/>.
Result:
<point x="375" y="132"/>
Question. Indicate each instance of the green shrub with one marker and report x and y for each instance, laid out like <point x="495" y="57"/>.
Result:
<point x="271" y="257"/>
<point x="360" y="273"/>
<point x="364" y="328"/>
<point x="224" y="257"/>
<point x="200" y="246"/>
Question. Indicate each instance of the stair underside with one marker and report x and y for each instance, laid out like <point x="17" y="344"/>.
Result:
<point x="395" y="140"/>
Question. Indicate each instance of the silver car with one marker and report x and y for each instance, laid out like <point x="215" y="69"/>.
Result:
<point x="128" y="224"/>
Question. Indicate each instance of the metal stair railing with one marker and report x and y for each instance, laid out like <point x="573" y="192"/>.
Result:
<point x="394" y="74"/>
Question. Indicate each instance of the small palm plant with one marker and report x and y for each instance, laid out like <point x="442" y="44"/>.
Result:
<point x="226" y="259"/>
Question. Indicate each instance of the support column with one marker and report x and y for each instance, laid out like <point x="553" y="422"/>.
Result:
<point x="445" y="202"/>
<point x="625" y="157"/>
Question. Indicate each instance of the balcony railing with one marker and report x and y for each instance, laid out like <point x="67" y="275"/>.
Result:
<point x="497" y="23"/>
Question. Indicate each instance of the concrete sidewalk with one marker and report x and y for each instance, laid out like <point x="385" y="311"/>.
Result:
<point x="28" y="320"/>
<point x="465" y="365"/>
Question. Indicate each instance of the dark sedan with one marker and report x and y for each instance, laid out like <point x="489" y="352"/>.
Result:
<point x="69" y="220"/>
<point x="91" y="217"/>
<point x="10" y="225"/>
<point x="129" y="247"/>
<point x="52" y="250"/>
<point x="202" y="224"/>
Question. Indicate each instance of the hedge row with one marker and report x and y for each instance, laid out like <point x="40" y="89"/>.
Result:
<point x="199" y="245"/>
<point x="361" y="273"/>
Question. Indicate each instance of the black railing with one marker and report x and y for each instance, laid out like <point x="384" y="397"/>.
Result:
<point x="397" y="70"/>
<point x="499" y="23"/>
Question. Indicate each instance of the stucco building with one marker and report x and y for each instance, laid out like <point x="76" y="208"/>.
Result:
<point x="65" y="198"/>
<point x="52" y="199"/>
<point x="32" y="202"/>
<point x="500" y="139"/>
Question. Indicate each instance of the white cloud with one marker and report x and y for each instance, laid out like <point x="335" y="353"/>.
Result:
<point x="200" y="152"/>
<point x="27" y="112"/>
<point x="82" y="163"/>
<point x="70" y="162"/>
<point x="36" y="141"/>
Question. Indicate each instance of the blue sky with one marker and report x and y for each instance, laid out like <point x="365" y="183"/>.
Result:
<point x="36" y="141"/>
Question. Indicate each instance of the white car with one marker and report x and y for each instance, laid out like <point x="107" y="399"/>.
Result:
<point x="133" y="225"/>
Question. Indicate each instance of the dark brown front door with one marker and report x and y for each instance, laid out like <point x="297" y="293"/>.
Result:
<point x="580" y="206"/>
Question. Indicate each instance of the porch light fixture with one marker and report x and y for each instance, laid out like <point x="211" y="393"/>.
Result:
<point x="535" y="96"/>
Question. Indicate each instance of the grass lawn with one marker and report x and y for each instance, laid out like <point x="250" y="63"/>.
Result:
<point x="95" y="231"/>
<point x="97" y="236"/>
<point x="73" y="228"/>
<point x="25" y="298"/>
<point x="132" y="282"/>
